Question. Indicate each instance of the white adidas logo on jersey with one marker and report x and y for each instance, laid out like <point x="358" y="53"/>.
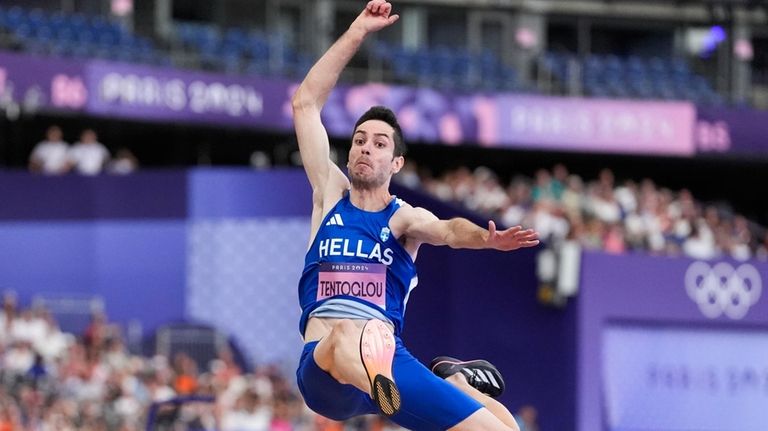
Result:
<point x="335" y="220"/>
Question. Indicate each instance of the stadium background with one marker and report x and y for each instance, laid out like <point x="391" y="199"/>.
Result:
<point x="209" y="231"/>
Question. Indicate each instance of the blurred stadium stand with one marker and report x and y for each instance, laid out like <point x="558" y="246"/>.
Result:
<point x="202" y="343"/>
<point x="502" y="49"/>
<point x="72" y="312"/>
<point x="76" y="35"/>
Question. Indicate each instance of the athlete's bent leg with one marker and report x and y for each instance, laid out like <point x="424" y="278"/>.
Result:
<point x="324" y="394"/>
<point x="339" y="354"/>
<point x="494" y="407"/>
<point x="362" y="357"/>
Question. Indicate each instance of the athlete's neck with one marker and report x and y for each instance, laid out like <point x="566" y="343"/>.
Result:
<point x="370" y="200"/>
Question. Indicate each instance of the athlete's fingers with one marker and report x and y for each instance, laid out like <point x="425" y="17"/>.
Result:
<point x="491" y="228"/>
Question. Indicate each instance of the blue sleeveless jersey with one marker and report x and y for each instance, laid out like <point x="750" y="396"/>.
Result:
<point x="355" y="257"/>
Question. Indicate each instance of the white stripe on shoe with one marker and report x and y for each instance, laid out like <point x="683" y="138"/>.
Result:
<point x="482" y="376"/>
<point x="493" y="379"/>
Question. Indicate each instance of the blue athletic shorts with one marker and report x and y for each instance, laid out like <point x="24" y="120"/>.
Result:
<point x="428" y="402"/>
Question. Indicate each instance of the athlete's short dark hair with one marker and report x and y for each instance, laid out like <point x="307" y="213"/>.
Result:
<point x="386" y="115"/>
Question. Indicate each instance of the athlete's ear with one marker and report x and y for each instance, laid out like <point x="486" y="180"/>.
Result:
<point x="397" y="164"/>
<point x="349" y="158"/>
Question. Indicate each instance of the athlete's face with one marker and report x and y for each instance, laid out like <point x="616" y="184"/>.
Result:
<point x="371" y="157"/>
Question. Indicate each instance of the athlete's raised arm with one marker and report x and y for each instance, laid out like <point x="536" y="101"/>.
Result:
<point x="317" y="85"/>
<point x="327" y="180"/>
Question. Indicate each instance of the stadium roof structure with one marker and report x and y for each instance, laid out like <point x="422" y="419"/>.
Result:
<point x="678" y="10"/>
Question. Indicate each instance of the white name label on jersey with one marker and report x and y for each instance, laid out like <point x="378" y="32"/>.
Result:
<point x="345" y="247"/>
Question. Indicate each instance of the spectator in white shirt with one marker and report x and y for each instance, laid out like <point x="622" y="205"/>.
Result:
<point x="123" y="163"/>
<point x="89" y="156"/>
<point x="50" y="156"/>
<point x="701" y="243"/>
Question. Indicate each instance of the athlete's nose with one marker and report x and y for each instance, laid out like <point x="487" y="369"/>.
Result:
<point x="366" y="148"/>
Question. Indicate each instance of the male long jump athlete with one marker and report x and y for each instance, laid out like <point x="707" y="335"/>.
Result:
<point x="359" y="271"/>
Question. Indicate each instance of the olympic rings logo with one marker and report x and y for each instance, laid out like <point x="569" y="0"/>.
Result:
<point x="723" y="289"/>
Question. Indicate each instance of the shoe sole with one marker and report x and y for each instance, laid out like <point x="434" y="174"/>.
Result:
<point x="377" y="351"/>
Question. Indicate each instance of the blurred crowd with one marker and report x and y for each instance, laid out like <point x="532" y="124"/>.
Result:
<point x="600" y="214"/>
<point x="51" y="380"/>
<point x="87" y="156"/>
<point x="57" y="381"/>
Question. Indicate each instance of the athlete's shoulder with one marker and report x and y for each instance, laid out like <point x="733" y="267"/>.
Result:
<point x="399" y="203"/>
<point x="407" y="215"/>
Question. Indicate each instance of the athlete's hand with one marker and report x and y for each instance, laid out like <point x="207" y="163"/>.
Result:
<point x="375" y="16"/>
<point x="512" y="238"/>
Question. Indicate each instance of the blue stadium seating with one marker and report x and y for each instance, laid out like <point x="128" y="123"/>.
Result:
<point x="448" y="68"/>
<point x="236" y="50"/>
<point x="76" y="35"/>
<point x="633" y="77"/>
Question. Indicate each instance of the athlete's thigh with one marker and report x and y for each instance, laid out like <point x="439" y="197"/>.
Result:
<point x="339" y="354"/>
<point x="428" y="402"/>
<point x="325" y="395"/>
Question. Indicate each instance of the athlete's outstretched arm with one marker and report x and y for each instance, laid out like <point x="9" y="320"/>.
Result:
<point x="423" y="226"/>
<point x="317" y="85"/>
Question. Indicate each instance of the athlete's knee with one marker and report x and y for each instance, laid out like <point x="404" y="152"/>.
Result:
<point x="342" y="337"/>
<point x="342" y="351"/>
<point x="330" y="349"/>
<point x="457" y="379"/>
<point x="485" y="420"/>
<point x="345" y="328"/>
<point x="343" y="331"/>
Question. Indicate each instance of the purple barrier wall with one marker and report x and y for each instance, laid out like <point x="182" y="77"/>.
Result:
<point x="219" y="193"/>
<point x="671" y="344"/>
<point x="118" y="237"/>
<point x="482" y="304"/>
<point x="137" y="267"/>
<point x="150" y="195"/>
<point x="124" y="238"/>
<point x="248" y="233"/>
